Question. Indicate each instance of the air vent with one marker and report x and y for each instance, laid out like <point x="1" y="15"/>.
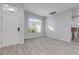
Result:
<point x="52" y="13"/>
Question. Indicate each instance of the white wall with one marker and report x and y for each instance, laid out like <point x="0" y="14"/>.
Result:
<point x="61" y="23"/>
<point x="33" y="35"/>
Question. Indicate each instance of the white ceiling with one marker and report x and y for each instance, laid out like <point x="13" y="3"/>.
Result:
<point x="43" y="9"/>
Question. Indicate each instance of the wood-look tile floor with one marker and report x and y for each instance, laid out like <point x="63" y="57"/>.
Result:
<point x="42" y="46"/>
<point x="76" y="40"/>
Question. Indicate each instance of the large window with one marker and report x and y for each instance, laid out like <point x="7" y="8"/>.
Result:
<point x="34" y="25"/>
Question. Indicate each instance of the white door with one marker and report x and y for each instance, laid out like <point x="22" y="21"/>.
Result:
<point x="10" y="24"/>
<point x="0" y="27"/>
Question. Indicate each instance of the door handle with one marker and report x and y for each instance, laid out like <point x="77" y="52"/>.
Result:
<point x="18" y="29"/>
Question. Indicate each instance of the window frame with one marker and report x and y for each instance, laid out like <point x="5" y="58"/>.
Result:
<point x="40" y="25"/>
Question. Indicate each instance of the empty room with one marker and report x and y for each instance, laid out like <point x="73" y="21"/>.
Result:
<point x="39" y="28"/>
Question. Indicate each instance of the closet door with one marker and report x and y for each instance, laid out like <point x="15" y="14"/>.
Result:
<point x="10" y="25"/>
<point x="0" y="27"/>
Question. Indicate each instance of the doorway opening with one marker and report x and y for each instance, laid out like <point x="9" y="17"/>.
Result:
<point x="75" y="25"/>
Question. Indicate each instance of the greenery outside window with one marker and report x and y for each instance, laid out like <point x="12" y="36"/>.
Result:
<point x="34" y="25"/>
